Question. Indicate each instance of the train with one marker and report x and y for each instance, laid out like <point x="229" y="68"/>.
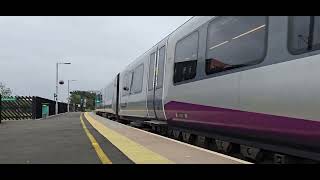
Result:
<point x="240" y="83"/>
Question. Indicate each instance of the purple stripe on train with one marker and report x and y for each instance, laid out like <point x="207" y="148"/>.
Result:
<point x="245" y="122"/>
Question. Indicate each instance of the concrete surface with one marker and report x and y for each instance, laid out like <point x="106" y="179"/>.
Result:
<point x="56" y="140"/>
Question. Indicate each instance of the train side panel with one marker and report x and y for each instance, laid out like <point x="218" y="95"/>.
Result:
<point x="274" y="101"/>
<point x="132" y="89"/>
<point x="137" y="95"/>
<point x="107" y="96"/>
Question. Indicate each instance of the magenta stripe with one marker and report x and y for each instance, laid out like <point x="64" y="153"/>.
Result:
<point x="263" y="124"/>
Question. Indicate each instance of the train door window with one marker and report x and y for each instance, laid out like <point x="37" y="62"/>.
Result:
<point x="151" y="71"/>
<point x="303" y="34"/>
<point x="105" y="94"/>
<point x="137" y="80"/>
<point x="160" y="72"/>
<point x="110" y="92"/>
<point x="186" y="56"/>
<point x="130" y="82"/>
<point x="125" y="85"/>
<point x="235" y="41"/>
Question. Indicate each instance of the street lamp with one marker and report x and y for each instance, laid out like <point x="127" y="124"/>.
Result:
<point x="57" y="79"/>
<point x="69" y="94"/>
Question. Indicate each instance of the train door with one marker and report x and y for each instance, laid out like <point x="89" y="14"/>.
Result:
<point x="151" y="84"/>
<point x="126" y="91"/>
<point x="115" y="95"/>
<point x="159" y="76"/>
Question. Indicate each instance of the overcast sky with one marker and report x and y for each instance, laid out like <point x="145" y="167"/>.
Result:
<point x="97" y="47"/>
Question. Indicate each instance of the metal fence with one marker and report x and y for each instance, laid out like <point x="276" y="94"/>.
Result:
<point x="14" y="108"/>
<point x="27" y="107"/>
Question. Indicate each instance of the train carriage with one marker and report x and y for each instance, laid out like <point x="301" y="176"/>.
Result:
<point x="239" y="80"/>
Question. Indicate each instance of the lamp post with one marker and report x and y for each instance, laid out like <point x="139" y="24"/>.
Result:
<point x="57" y="79"/>
<point x="69" y="94"/>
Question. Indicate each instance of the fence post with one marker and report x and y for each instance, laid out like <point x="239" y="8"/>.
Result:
<point x="34" y="107"/>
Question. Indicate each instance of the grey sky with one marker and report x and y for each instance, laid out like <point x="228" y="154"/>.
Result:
<point x="97" y="47"/>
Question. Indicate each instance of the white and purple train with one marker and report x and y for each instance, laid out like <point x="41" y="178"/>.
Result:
<point x="249" y="82"/>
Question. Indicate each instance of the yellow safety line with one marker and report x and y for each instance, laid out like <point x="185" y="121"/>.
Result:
<point x="102" y="156"/>
<point x="134" y="151"/>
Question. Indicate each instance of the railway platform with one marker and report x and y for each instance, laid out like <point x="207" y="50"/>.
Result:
<point x="85" y="138"/>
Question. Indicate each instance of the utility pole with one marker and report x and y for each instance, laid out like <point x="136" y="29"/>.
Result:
<point x="57" y="84"/>
<point x="56" y="95"/>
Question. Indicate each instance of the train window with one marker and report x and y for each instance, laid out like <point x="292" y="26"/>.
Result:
<point x="235" y="41"/>
<point x="151" y="71"/>
<point x="184" y="70"/>
<point x="110" y="92"/>
<point x="130" y="82"/>
<point x="186" y="57"/>
<point x="137" y="80"/>
<point x="303" y="34"/>
<point x="161" y="60"/>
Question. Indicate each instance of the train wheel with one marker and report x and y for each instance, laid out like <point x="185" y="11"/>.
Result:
<point x="251" y="153"/>
<point x="163" y="131"/>
<point x="188" y="137"/>
<point x="177" y="134"/>
<point x="202" y="141"/>
<point x="170" y="132"/>
<point x="225" y="147"/>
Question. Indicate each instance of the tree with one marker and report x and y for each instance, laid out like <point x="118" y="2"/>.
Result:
<point x="76" y="97"/>
<point x="4" y="91"/>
